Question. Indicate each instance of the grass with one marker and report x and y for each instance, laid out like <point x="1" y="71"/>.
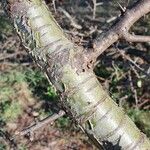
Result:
<point x="10" y="109"/>
<point x="5" y="25"/>
<point x="28" y="83"/>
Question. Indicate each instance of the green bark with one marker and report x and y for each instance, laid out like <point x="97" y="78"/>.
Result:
<point x="70" y="72"/>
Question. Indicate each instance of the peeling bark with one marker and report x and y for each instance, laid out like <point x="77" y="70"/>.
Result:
<point x="69" y="70"/>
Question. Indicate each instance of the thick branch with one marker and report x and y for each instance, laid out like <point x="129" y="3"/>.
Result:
<point x="121" y="28"/>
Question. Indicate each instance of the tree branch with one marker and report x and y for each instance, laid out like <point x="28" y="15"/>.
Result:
<point x="32" y="128"/>
<point x="121" y="28"/>
<point x="135" y="38"/>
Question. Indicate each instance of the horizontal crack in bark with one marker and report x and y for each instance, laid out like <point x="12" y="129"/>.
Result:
<point x="122" y="122"/>
<point x="134" y="145"/>
<point x="75" y="89"/>
<point x="92" y="109"/>
<point x="38" y="29"/>
<point x="92" y="87"/>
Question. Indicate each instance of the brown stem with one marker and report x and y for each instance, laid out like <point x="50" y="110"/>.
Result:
<point x="40" y="124"/>
<point x="121" y="28"/>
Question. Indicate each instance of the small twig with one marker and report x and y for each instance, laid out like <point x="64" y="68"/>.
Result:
<point x="7" y="137"/>
<point x="143" y="103"/>
<point x="32" y="128"/>
<point x="133" y="89"/>
<point x="94" y="9"/>
<point x="122" y="99"/>
<point x="73" y="23"/>
<point x="131" y="61"/>
<point x="111" y="19"/>
<point x="123" y="9"/>
<point x="99" y="4"/>
<point x="146" y="107"/>
<point x="135" y="71"/>
<point x="75" y="33"/>
<point x="95" y="5"/>
<point x="16" y="64"/>
<point x="54" y="5"/>
<point x="135" y="38"/>
<point x="6" y="56"/>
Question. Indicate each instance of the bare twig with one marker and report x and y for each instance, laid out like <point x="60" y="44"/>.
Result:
<point x="123" y="9"/>
<point x="135" y="71"/>
<point x="95" y="4"/>
<point x="6" y="56"/>
<point x="94" y="9"/>
<point x="135" y="38"/>
<point x="133" y="89"/>
<point x="111" y="19"/>
<point x="132" y="62"/>
<point x="146" y="107"/>
<point x="54" y="5"/>
<point x="143" y="103"/>
<point x="7" y="137"/>
<point x="73" y="23"/>
<point x="32" y="128"/>
<point x="121" y="28"/>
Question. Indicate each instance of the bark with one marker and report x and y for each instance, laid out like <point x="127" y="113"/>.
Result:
<point x="70" y="71"/>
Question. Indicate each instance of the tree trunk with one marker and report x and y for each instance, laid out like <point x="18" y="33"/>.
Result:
<point x="70" y="71"/>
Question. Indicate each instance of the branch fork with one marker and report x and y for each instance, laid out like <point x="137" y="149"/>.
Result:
<point x="121" y="29"/>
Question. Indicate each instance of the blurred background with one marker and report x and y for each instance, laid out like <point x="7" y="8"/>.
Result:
<point x="26" y="96"/>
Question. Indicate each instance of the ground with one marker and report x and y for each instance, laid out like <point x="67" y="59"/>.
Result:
<point x="26" y="97"/>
